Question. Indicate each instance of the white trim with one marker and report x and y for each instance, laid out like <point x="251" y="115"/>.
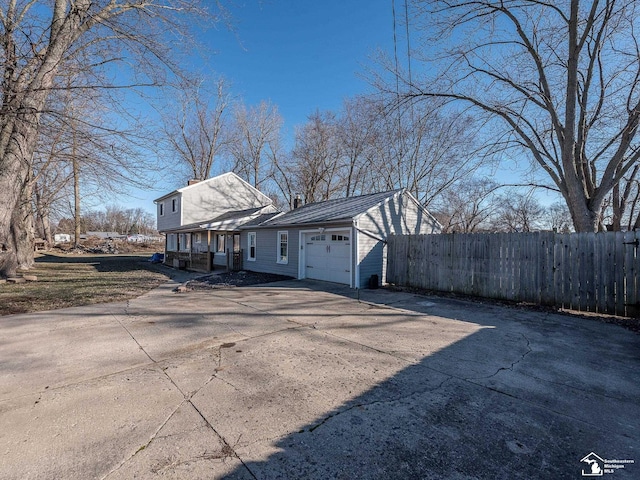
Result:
<point x="255" y="246"/>
<point x="278" y="246"/>
<point x="302" y="267"/>
<point x="356" y="243"/>
<point x="186" y="236"/>
<point x="224" y="243"/>
<point x="173" y="244"/>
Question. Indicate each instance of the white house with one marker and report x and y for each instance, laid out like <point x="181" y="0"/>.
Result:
<point x="201" y="221"/>
<point x="225" y="222"/>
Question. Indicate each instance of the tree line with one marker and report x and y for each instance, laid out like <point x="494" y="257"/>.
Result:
<point x="113" y="218"/>
<point x="368" y="146"/>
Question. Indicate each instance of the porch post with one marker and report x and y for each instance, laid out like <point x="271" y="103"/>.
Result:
<point x="209" y="251"/>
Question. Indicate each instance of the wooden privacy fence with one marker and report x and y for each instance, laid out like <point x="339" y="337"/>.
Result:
<point x="589" y="272"/>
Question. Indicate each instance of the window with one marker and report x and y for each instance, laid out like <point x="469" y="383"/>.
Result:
<point x="174" y="205"/>
<point x="251" y="246"/>
<point x="318" y="238"/>
<point x="172" y="242"/>
<point x="339" y="238"/>
<point x="161" y="208"/>
<point x="184" y="242"/>
<point x="283" y="247"/>
<point x="197" y="238"/>
<point x="220" y="242"/>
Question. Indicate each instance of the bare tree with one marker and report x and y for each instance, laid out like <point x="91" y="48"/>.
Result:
<point x="37" y="40"/>
<point x="468" y="207"/>
<point x="315" y="160"/>
<point x="558" y="218"/>
<point x="51" y="174"/>
<point x="252" y="139"/>
<point x="115" y="218"/>
<point x="423" y="149"/>
<point x="562" y="78"/>
<point x="356" y="131"/>
<point x="519" y="212"/>
<point x="625" y="202"/>
<point x="194" y="128"/>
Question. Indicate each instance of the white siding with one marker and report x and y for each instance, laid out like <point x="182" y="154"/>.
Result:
<point x="208" y="199"/>
<point x="169" y="219"/>
<point x="399" y="215"/>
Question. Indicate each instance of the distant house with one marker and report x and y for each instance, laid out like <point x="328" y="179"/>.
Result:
<point x="141" y="238"/>
<point x="61" y="238"/>
<point x="202" y="221"/>
<point x="341" y="240"/>
<point x="225" y="222"/>
<point x="103" y="235"/>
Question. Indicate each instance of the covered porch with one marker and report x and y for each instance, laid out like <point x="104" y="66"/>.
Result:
<point x="204" y="250"/>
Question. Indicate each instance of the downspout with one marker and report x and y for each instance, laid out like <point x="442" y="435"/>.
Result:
<point x="357" y="231"/>
<point x="357" y="253"/>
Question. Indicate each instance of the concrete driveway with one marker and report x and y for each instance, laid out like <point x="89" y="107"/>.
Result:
<point x="303" y="380"/>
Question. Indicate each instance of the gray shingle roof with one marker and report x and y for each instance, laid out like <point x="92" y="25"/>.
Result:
<point x="229" y="221"/>
<point x="330" y="210"/>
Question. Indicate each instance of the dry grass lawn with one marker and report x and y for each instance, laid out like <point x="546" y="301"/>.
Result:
<point x="73" y="280"/>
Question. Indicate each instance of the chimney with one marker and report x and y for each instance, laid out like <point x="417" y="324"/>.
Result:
<point x="193" y="182"/>
<point x="297" y="202"/>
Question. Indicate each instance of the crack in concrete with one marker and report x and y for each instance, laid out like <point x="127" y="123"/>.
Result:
<point x="375" y="402"/>
<point x="186" y="399"/>
<point x="471" y="380"/>
<point x="534" y="404"/>
<point x="206" y="456"/>
<point x="573" y="387"/>
<point x="510" y="367"/>
<point x="143" y="447"/>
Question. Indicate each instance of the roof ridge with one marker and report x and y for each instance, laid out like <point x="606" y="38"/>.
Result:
<point x="386" y="192"/>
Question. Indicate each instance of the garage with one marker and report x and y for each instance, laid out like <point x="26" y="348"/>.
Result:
<point x="327" y="256"/>
<point x="340" y="240"/>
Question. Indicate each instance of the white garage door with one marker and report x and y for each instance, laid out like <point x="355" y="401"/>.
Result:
<point x="327" y="256"/>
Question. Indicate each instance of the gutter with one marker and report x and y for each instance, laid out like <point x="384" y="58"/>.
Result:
<point x="369" y="233"/>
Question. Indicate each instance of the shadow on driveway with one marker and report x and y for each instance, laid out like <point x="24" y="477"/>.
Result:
<point x="525" y="395"/>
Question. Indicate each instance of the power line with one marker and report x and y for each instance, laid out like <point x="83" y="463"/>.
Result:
<point x="395" y="49"/>
<point x="406" y="19"/>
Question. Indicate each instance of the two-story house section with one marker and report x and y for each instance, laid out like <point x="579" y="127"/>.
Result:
<point x="201" y="220"/>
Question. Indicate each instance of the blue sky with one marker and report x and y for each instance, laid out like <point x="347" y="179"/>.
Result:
<point x="301" y="56"/>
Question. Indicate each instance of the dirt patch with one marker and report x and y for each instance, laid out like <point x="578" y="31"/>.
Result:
<point x="242" y="278"/>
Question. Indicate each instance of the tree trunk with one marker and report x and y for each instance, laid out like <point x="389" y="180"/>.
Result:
<point x="43" y="217"/>
<point x="45" y="223"/>
<point x="14" y="172"/>
<point x="76" y="199"/>
<point x="22" y="230"/>
<point x="8" y="257"/>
